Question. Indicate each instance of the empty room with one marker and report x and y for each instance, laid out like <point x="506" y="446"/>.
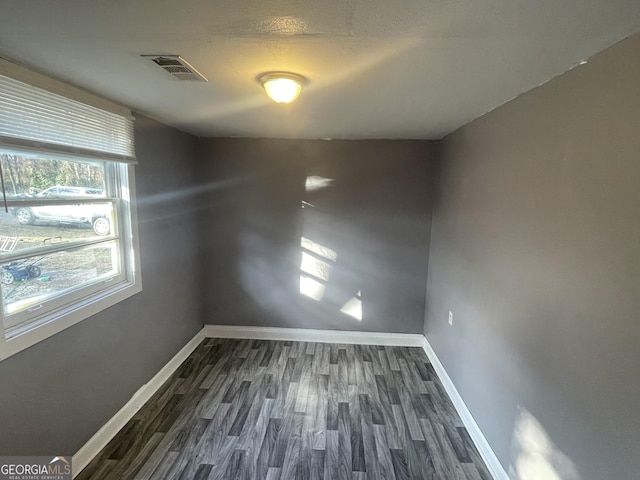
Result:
<point x="320" y="240"/>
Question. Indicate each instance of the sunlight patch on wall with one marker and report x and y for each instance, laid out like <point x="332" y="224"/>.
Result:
<point x="317" y="264"/>
<point x="318" y="249"/>
<point x="534" y="454"/>
<point x="313" y="266"/>
<point x="311" y="288"/>
<point x="314" y="182"/>
<point x="315" y="272"/>
<point x="354" y="306"/>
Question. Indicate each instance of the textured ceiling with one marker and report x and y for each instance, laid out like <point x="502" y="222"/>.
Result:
<point x="377" y="68"/>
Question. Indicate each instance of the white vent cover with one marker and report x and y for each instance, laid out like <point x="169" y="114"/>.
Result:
<point x="177" y="67"/>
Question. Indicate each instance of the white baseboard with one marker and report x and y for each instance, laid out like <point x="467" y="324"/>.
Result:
<point x="485" y="450"/>
<point x="312" y="335"/>
<point x="100" y="440"/>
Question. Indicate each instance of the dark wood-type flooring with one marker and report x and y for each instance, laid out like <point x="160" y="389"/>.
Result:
<point x="257" y="409"/>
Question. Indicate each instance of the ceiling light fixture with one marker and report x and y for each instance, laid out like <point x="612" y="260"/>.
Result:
<point x="282" y="87"/>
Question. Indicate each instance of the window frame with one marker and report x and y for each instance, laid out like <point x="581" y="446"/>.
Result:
<point x="89" y="298"/>
<point x="41" y="327"/>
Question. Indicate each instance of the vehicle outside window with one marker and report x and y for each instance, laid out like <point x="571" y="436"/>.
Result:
<point x="95" y="215"/>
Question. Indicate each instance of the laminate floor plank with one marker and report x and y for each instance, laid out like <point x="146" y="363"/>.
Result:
<point x="331" y="455"/>
<point x="288" y="410"/>
<point x="138" y="458"/>
<point x="385" y="464"/>
<point x="368" y="437"/>
<point x="104" y="469"/>
<point x="317" y="464"/>
<point x="344" y="442"/>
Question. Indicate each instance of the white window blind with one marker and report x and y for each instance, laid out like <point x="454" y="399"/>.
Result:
<point x="33" y="118"/>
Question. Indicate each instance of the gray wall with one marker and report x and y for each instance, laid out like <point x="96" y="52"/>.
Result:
<point x="375" y="215"/>
<point x="55" y="395"/>
<point x="536" y="250"/>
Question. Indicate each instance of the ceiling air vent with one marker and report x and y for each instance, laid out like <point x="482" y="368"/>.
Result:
<point x="177" y="67"/>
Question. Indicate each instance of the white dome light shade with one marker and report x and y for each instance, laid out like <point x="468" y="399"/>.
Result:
<point x="282" y="90"/>
<point x="282" y="87"/>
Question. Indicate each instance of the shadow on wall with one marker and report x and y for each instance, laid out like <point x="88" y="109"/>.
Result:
<point x="534" y="455"/>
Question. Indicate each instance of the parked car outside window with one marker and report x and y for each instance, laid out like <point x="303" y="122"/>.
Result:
<point x="96" y="215"/>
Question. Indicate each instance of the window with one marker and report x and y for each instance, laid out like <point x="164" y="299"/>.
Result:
<point x="68" y="238"/>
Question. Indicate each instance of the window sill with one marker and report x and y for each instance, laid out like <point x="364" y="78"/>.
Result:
<point x="21" y="338"/>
